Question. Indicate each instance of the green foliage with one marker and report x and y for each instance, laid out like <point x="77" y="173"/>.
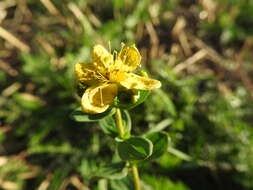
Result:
<point x="210" y="128"/>
<point x="135" y="148"/>
<point x="10" y="171"/>
<point x="141" y="97"/>
<point x="109" y="171"/>
<point x="113" y="171"/>
<point x="160" y="141"/>
<point x="163" y="183"/>
<point x="232" y="23"/>
<point x="79" y="116"/>
<point x="108" y="125"/>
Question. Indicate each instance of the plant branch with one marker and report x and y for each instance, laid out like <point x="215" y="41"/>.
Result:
<point x="136" y="177"/>
<point x="120" y="127"/>
<point x="119" y="123"/>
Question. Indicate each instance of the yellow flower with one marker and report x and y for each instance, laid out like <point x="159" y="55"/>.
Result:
<point x="107" y="73"/>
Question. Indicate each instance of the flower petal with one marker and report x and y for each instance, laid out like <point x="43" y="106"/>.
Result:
<point x="130" y="57"/>
<point x="137" y="82"/>
<point x="102" y="59"/>
<point x="85" y="74"/>
<point x="97" y="99"/>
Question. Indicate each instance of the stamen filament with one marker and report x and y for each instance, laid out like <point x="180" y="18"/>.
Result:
<point x="115" y="55"/>
<point x="101" y="97"/>
<point x="109" y="46"/>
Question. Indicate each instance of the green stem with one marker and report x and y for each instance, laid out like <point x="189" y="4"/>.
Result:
<point x="121" y="130"/>
<point x="119" y="123"/>
<point x="136" y="177"/>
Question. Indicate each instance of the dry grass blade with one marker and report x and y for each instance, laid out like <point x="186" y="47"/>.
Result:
<point x="46" y="46"/>
<point x="28" y="175"/>
<point x="209" y="11"/>
<point x="50" y="7"/>
<point x="81" y="17"/>
<point x="179" y="33"/>
<point x="8" y="69"/>
<point x="201" y="54"/>
<point x="11" y="89"/>
<point x="154" y="39"/>
<point x="214" y="56"/>
<point x="4" y="129"/>
<point x="184" y="43"/>
<point x="8" y="3"/>
<point x="77" y="183"/>
<point x="179" y="26"/>
<point x="94" y="20"/>
<point x="9" y="185"/>
<point x="64" y="184"/>
<point x="45" y="184"/>
<point x="13" y="40"/>
<point x="3" y="160"/>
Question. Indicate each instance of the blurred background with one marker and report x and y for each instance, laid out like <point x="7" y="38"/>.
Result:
<point x="201" y="50"/>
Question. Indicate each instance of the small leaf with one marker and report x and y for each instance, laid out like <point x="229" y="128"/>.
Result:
<point x="167" y="102"/>
<point x="160" y="126"/>
<point x="135" y="148"/>
<point x="179" y="154"/>
<point x="113" y="171"/>
<point x="142" y="95"/>
<point x="108" y="124"/>
<point x="28" y="101"/>
<point x="80" y="116"/>
<point x="90" y="169"/>
<point x="122" y="184"/>
<point x="160" y="142"/>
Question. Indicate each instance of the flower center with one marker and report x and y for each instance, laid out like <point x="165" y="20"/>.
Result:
<point x="117" y="76"/>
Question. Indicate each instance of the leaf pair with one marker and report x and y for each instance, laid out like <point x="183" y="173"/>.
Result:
<point x="134" y="149"/>
<point x="143" y="148"/>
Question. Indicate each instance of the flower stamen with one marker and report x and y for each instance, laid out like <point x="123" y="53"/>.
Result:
<point x="101" y="97"/>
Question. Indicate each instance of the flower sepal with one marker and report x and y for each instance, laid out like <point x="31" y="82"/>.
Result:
<point x="80" y="116"/>
<point x="136" y="98"/>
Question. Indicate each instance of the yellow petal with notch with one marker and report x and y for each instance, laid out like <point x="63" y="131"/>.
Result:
<point x="98" y="99"/>
<point x="86" y="74"/>
<point x="131" y="58"/>
<point x="102" y="59"/>
<point x="133" y="81"/>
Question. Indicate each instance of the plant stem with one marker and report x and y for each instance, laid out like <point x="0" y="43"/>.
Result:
<point x="136" y="177"/>
<point x="119" y="123"/>
<point x="120" y="127"/>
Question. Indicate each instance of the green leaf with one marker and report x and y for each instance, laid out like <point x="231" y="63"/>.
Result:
<point x="102" y="184"/>
<point x="163" y="182"/>
<point x="122" y="184"/>
<point x="179" y="154"/>
<point x="160" y="142"/>
<point x="80" y="116"/>
<point x="167" y="102"/>
<point x="90" y="169"/>
<point x="108" y="124"/>
<point x="160" y="126"/>
<point x="28" y="101"/>
<point x="113" y="171"/>
<point x="135" y="148"/>
<point x="142" y="95"/>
